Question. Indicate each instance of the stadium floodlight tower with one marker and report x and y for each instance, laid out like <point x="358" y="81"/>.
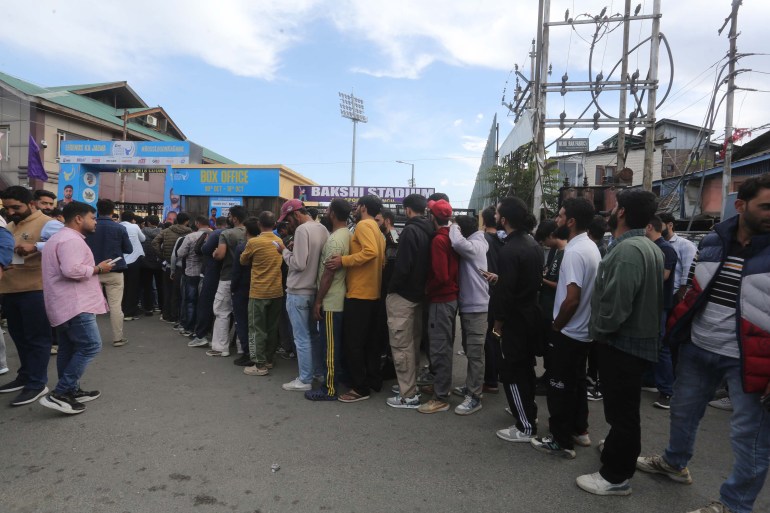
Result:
<point x="353" y="109"/>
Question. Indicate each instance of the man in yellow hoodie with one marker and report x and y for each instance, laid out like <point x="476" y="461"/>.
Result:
<point x="364" y="279"/>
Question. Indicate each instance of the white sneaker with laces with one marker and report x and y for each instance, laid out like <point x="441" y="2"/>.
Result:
<point x="411" y="403"/>
<point x="597" y="485"/>
<point x="296" y="385"/>
<point x="198" y="342"/>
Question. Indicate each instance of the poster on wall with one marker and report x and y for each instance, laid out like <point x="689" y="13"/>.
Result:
<point x="78" y="183"/>
<point x="220" y="207"/>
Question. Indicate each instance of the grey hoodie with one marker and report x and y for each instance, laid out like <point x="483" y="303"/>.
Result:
<point x="474" y="289"/>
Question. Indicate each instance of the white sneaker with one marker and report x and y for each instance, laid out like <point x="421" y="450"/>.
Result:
<point x="198" y="342"/>
<point x="4" y="370"/>
<point x="296" y="385"/>
<point x="722" y="404"/>
<point x="596" y="484"/>
<point x="583" y="440"/>
<point x="512" y="434"/>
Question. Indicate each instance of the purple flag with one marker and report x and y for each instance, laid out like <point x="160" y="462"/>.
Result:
<point x="35" y="167"/>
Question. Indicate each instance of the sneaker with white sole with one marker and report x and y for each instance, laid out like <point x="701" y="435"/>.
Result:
<point x="185" y="333"/>
<point x="596" y="484"/>
<point x="214" y="352"/>
<point x="120" y="343"/>
<point x="512" y="434"/>
<point x="28" y="395"/>
<point x="722" y="404"/>
<point x="198" y="342"/>
<point x="296" y="385"/>
<point x="714" y="507"/>
<point x="433" y="406"/>
<point x="11" y="386"/>
<point x="469" y="406"/>
<point x="4" y="370"/>
<point x="583" y="440"/>
<point x="411" y="403"/>
<point x="83" y="396"/>
<point x="657" y="465"/>
<point x="548" y="445"/>
<point x="64" y="403"/>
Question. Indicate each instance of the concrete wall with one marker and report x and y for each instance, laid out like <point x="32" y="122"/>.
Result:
<point x="14" y="114"/>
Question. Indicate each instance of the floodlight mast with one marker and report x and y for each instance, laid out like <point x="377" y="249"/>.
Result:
<point x="353" y="109"/>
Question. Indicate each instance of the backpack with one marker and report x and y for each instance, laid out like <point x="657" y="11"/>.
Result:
<point x="151" y="258"/>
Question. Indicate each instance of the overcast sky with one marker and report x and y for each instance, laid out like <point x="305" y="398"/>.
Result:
<point x="257" y="81"/>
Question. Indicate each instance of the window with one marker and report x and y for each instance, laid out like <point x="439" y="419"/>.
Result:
<point x="605" y="174"/>
<point x="5" y="133"/>
<point x="143" y="177"/>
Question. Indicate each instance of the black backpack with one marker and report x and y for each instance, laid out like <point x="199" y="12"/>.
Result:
<point x="151" y="258"/>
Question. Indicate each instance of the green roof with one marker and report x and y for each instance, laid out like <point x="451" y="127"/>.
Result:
<point x="61" y="95"/>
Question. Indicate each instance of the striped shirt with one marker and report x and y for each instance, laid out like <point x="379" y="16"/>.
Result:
<point x="714" y="328"/>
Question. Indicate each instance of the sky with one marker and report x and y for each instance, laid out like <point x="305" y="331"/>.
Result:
<point x="258" y="80"/>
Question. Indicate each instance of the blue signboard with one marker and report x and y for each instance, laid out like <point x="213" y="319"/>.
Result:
<point x="236" y="181"/>
<point x="77" y="183"/>
<point x="138" y="153"/>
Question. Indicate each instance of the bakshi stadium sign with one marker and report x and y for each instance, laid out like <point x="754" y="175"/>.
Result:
<point x="326" y="193"/>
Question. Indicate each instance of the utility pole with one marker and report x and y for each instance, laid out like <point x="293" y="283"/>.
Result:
<point x="727" y="166"/>
<point x="621" y="158"/>
<point x="541" y="70"/>
<point x="652" y="98"/>
<point x="122" y="195"/>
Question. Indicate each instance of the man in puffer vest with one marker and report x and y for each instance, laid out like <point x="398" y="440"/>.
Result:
<point x="722" y="330"/>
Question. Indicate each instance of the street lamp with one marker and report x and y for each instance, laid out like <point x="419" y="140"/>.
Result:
<point x="411" y="182"/>
<point x="353" y="109"/>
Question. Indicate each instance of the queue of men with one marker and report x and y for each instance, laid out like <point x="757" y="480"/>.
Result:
<point x="639" y="312"/>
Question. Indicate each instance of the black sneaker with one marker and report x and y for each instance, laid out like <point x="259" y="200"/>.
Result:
<point x="65" y="403"/>
<point x="82" y="396"/>
<point x="289" y="356"/>
<point x="13" y="386"/>
<point x="243" y="361"/>
<point x="29" y="395"/>
<point x="594" y="394"/>
<point x="663" y="402"/>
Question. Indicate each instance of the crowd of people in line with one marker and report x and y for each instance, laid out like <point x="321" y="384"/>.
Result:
<point x="355" y="301"/>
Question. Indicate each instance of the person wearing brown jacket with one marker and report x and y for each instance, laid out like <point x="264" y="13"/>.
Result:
<point x="22" y="290"/>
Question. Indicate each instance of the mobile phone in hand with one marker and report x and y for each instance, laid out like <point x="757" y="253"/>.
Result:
<point x="114" y="260"/>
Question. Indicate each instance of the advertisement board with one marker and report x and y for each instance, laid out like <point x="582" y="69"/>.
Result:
<point x="326" y="193"/>
<point x="220" y="207"/>
<point x="574" y="145"/>
<point x="140" y="153"/>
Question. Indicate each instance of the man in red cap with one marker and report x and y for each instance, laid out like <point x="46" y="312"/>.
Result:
<point x="302" y="258"/>
<point x="441" y="289"/>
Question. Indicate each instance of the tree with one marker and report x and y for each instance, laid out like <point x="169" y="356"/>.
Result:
<point x="516" y="175"/>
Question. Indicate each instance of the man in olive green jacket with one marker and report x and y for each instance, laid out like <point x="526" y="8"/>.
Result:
<point x="625" y="321"/>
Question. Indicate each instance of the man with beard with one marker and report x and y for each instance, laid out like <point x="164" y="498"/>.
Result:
<point x="72" y="300"/>
<point x="302" y="258"/>
<point x="718" y="340"/>
<point x="45" y="201"/>
<point x="518" y="321"/>
<point x="68" y="190"/>
<point x="23" y="305"/>
<point x="568" y="341"/>
<point x="364" y="279"/>
<point x="625" y="321"/>
<point x="404" y="302"/>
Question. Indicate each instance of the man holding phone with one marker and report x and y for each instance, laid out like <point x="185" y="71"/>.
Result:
<point x="722" y="328"/>
<point x="110" y="242"/>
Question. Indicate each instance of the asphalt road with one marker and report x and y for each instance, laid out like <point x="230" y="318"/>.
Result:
<point x="176" y="431"/>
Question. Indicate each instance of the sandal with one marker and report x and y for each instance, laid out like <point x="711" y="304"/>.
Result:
<point x="352" y="397"/>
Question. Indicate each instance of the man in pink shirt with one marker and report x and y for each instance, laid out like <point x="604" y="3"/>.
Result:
<point x="73" y="298"/>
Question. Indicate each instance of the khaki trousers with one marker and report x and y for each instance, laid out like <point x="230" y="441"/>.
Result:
<point x="405" y="328"/>
<point x="113" y="290"/>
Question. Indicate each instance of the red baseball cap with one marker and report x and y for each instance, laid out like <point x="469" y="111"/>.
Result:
<point x="441" y="209"/>
<point x="289" y="207"/>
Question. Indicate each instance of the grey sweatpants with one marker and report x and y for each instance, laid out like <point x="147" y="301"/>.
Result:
<point x="474" y="326"/>
<point x="440" y="321"/>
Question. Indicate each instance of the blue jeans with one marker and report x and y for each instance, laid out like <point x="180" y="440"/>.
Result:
<point x="699" y="373"/>
<point x="190" y="300"/>
<point x="31" y="333"/>
<point x="306" y="336"/>
<point x="79" y="343"/>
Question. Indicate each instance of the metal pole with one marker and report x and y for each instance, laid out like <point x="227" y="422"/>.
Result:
<point x="649" y="143"/>
<point x="621" y="158"/>
<point x="353" y="164"/>
<point x="122" y="194"/>
<point x="727" y="166"/>
<point x="411" y="182"/>
<point x="537" y="195"/>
